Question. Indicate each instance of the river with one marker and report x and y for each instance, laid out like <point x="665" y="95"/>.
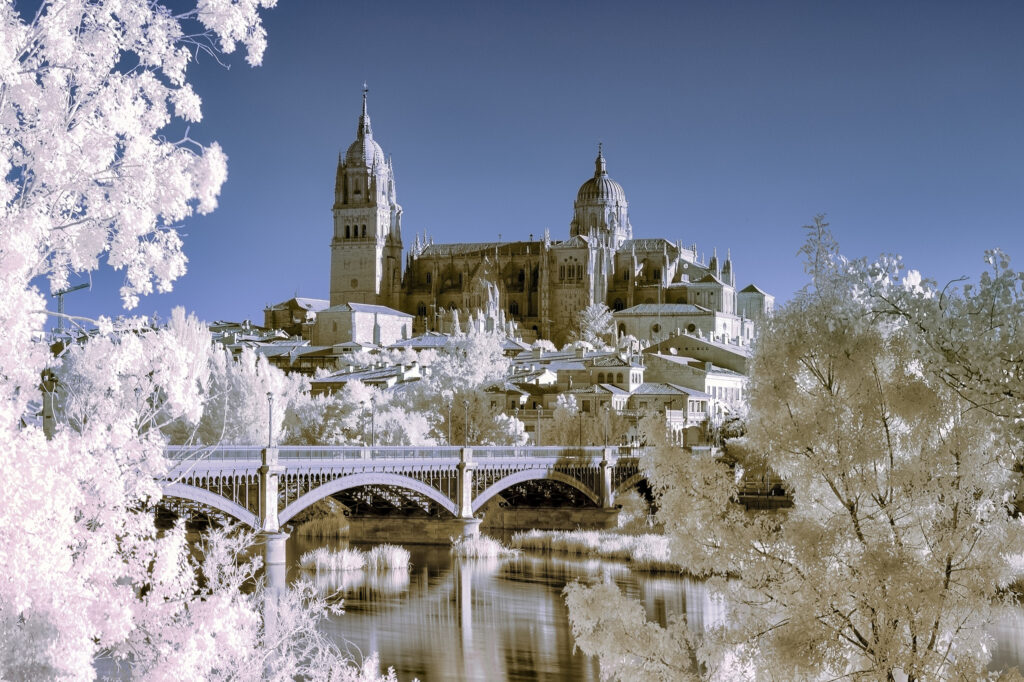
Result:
<point x="450" y="619"/>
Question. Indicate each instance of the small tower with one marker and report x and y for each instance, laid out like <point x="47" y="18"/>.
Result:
<point x="366" y="250"/>
<point x="713" y="266"/>
<point x="728" y="276"/>
<point x="601" y="209"/>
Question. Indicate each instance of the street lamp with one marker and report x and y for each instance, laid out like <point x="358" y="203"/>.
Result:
<point x="579" y="440"/>
<point x="539" y="410"/>
<point x="373" y="422"/>
<point x="270" y="419"/>
<point x="465" y="403"/>
<point x="607" y="416"/>
<point x="450" y="403"/>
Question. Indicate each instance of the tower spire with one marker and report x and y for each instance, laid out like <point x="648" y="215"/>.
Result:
<point x="364" y="118"/>
<point x="600" y="168"/>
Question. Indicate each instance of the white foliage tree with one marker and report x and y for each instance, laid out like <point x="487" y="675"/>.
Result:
<point x="594" y="325"/>
<point x="902" y="538"/>
<point x="91" y="92"/>
<point x="455" y="390"/>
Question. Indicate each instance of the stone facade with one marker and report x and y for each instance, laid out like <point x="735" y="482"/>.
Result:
<point x="540" y="283"/>
<point x="361" y="323"/>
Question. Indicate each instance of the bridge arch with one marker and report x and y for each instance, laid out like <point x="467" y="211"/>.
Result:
<point x="369" y="478"/>
<point x="532" y="475"/>
<point x="627" y="484"/>
<point x="205" y="497"/>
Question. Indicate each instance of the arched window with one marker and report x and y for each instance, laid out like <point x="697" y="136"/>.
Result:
<point x="522" y="276"/>
<point x="421" y="310"/>
<point x="622" y="332"/>
<point x="364" y="231"/>
<point x="579" y="272"/>
<point x="429" y="277"/>
<point x="561" y="272"/>
<point x="513" y="308"/>
<point x="600" y="378"/>
<point x="618" y="378"/>
<point x="346" y="232"/>
<point x="619" y="304"/>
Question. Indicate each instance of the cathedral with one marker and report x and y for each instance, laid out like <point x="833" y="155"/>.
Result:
<point x="540" y="284"/>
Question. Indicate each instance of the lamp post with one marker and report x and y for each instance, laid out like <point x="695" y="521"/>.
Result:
<point x="450" y="421"/>
<point x="373" y="422"/>
<point x="465" y="403"/>
<point x="579" y="439"/>
<point x="607" y="416"/>
<point x="539" y="409"/>
<point x="270" y="419"/>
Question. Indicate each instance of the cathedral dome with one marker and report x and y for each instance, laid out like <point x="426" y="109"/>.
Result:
<point x="365" y="152"/>
<point x="601" y="188"/>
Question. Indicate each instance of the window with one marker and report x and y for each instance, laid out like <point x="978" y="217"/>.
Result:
<point x="561" y="272"/>
<point x="421" y="310"/>
<point x="600" y="378"/>
<point x="334" y="326"/>
<point x="625" y="275"/>
<point x="513" y="308"/>
<point x="586" y="406"/>
<point x="579" y="272"/>
<point x="655" y="328"/>
<point x="364" y="231"/>
<point x="619" y="304"/>
<point x="522" y="276"/>
<point x="429" y="277"/>
<point x="354" y="283"/>
<point x="618" y="377"/>
<point x="346" y="232"/>
<point x="656" y="273"/>
<point x="691" y="327"/>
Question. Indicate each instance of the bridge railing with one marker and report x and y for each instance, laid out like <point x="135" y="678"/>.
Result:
<point x="367" y="452"/>
<point x="384" y="452"/>
<point x="215" y="452"/>
<point x="483" y="451"/>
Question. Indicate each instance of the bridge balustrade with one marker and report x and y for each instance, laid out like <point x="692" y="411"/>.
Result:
<point x="219" y="452"/>
<point x="386" y="452"/>
<point x="484" y="451"/>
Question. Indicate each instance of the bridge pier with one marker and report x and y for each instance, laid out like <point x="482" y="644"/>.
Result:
<point x="274" y="559"/>
<point x="275" y="562"/>
<point x="608" y="461"/>
<point x="466" y="466"/>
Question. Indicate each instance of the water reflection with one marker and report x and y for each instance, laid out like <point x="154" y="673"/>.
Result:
<point x="493" y="619"/>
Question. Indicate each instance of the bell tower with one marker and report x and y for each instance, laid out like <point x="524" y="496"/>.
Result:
<point x="366" y="250"/>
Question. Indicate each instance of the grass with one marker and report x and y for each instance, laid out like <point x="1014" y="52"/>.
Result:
<point x="387" y="558"/>
<point x="380" y="558"/>
<point x="645" y="552"/>
<point x="480" y="547"/>
<point x="323" y="559"/>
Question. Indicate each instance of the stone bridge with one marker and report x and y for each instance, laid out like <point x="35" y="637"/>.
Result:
<point x="266" y="487"/>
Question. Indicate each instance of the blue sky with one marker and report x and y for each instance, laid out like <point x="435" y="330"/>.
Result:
<point x="729" y="124"/>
